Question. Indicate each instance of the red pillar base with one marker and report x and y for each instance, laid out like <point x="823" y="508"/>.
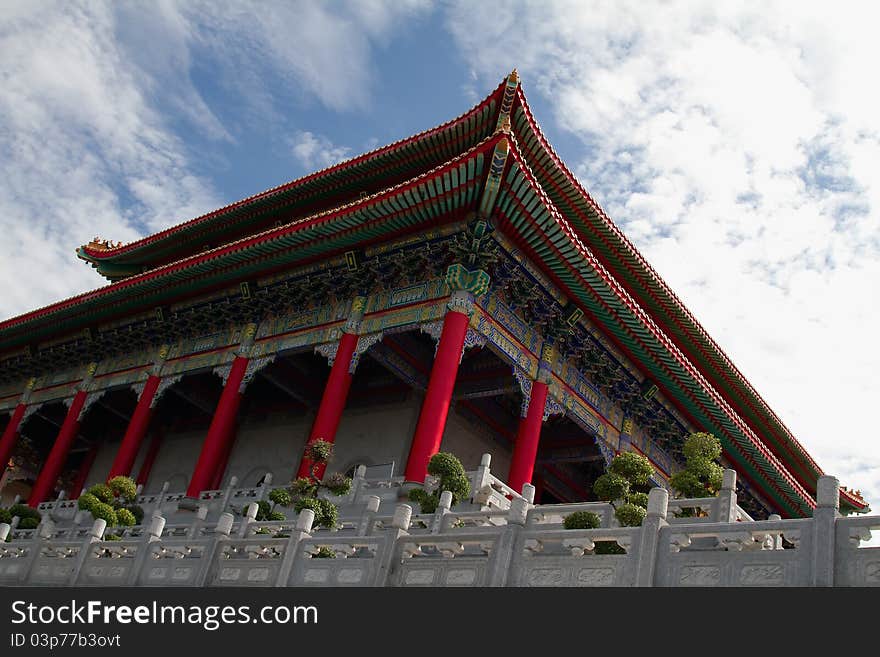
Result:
<point x="525" y="450"/>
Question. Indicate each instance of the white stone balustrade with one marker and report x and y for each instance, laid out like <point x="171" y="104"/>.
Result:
<point x="524" y="545"/>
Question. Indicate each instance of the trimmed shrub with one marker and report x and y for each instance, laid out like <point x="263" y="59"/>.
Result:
<point x="28" y="523"/>
<point x="702" y="445"/>
<point x="123" y="487"/>
<point x="630" y="515"/>
<point x="125" y="518"/>
<point x="611" y="486"/>
<point x="635" y="468"/>
<point x="103" y="492"/>
<point x="582" y="520"/>
<point x="281" y="497"/>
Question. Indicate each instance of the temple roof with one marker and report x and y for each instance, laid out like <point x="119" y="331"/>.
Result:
<point x="439" y="176"/>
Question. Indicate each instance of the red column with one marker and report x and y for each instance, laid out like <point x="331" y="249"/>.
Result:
<point x="522" y="464"/>
<point x="435" y="407"/>
<point x="58" y="455"/>
<point x="134" y="433"/>
<point x="332" y="402"/>
<point x="218" y="433"/>
<point x="10" y="436"/>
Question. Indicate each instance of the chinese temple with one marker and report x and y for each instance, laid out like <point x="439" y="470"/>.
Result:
<point x="457" y="290"/>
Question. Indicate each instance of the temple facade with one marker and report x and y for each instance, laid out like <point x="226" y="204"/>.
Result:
<point x="457" y="290"/>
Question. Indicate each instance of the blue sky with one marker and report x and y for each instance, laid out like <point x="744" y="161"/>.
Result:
<point x="737" y="146"/>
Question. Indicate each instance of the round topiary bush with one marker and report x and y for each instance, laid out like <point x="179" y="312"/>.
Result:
<point x="635" y="468"/>
<point x="281" y="497"/>
<point x="103" y="492"/>
<point x="105" y="512"/>
<point x="5" y="516"/>
<point x="87" y="502"/>
<point x="124" y="488"/>
<point x="630" y="515"/>
<point x="611" y="486"/>
<point x="24" y="511"/>
<point x="702" y="445"/>
<point x="125" y="518"/>
<point x="28" y="523"/>
<point x="582" y="520"/>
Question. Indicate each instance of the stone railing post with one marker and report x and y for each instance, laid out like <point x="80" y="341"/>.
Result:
<point x="774" y="542"/>
<point x="265" y="487"/>
<point x="725" y="505"/>
<point x="443" y="508"/>
<point x="528" y="493"/>
<point x="249" y="518"/>
<point x="649" y="535"/>
<point x="4" y="531"/>
<point x="198" y="522"/>
<point x="399" y="528"/>
<point x="95" y="535"/>
<point x="304" y="522"/>
<point x="824" y="519"/>
<point x="227" y="495"/>
<point x="52" y="513"/>
<point x="161" y="499"/>
<point x="365" y="525"/>
<point x="152" y="535"/>
<point x="357" y="482"/>
<point x="483" y="476"/>
<point x="501" y="560"/>
<point x="222" y="532"/>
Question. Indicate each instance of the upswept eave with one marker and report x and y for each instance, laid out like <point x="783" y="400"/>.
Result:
<point x="99" y="254"/>
<point x="89" y="301"/>
<point x="700" y="340"/>
<point x="632" y="305"/>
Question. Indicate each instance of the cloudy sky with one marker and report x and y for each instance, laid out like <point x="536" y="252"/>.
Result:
<point x="737" y="144"/>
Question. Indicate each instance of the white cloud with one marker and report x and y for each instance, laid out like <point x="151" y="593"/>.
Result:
<point x="93" y="97"/>
<point x="316" y="151"/>
<point x="737" y="146"/>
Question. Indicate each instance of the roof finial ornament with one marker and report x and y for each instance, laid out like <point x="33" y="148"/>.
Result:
<point x="514" y="76"/>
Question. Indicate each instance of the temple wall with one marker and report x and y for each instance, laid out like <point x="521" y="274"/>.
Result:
<point x="373" y="435"/>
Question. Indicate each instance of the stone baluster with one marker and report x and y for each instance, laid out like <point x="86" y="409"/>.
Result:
<point x="249" y="518"/>
<point x="528" y="493"/>
<point x="399" y="528"/>
<point x="724" y="508"/>
<point x="823" y="531"/>
<point x="230" y="489"/>
<point x="774" y="541"/>
<point x="483" y="475"/>
<point x="265" y="487"/>
<point x="303" y="530"/>
<point x="5" y="528"/>
<point x="649" y="536"/>
<point x="443" y="508"/>
<point x="198" y="522"/>
<point x="95" y="535"/>
<point x="152" y="535"/>
<point x="357" y="482"/>
<point x="161" y="498"/>
<point x="365" y="525"/>
<point x="222" y="532"/>
<point x="502" y="554"/>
